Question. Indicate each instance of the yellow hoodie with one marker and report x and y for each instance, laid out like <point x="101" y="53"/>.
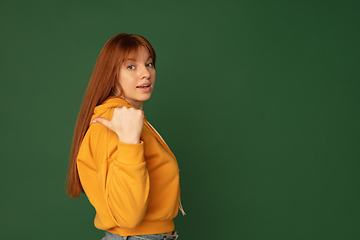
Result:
<point x="134" y="188"/>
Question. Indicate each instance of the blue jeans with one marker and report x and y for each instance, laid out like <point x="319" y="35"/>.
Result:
<point x="111" y="236"/>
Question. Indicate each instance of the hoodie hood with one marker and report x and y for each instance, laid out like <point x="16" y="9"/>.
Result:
<point x="110" y="103"/>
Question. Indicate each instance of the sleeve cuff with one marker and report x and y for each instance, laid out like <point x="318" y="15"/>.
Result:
<point x="130" y="153"/>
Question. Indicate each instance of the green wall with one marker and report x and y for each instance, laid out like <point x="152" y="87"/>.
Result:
<point x="259" y="101"/>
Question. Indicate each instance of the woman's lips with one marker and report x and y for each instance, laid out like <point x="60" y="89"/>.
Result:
<point x="144" y="87"/>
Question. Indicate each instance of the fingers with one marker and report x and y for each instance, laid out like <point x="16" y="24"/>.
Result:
<point x="126" y="122"/>
<point x="129" y="111"/>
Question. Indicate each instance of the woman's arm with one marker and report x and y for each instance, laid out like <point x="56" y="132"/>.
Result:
<point x="120" y="168"/>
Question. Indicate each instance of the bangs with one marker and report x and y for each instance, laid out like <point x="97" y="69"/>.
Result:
<point x="131" y="46"/>
<point x="136" y="42"/>
<point x="130" y="53"/>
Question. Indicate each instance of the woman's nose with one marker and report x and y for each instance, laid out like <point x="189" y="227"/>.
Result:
<point x="145" y="72"/>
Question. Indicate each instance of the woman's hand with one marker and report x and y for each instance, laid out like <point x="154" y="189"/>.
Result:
<point x="126" y="122"/>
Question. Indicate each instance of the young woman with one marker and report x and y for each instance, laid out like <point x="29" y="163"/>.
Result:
<point x="118" y="159"/>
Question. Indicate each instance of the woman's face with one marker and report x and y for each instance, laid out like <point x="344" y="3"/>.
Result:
<point x="137" y="77"/>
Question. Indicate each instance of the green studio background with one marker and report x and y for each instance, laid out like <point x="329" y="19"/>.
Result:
<point x="259" y="101"/>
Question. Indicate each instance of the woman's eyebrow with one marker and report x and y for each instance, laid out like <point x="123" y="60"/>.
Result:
<point x="134" y="60"/>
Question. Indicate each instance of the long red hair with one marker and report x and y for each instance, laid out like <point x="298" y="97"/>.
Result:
<point x="103" y="84"/>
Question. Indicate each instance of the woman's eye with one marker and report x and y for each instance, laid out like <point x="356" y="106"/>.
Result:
<point x="131" y="67"/>
<point x="150" y="65"/>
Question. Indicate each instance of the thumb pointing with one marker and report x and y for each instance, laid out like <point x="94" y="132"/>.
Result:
<point x="101" y="120"/>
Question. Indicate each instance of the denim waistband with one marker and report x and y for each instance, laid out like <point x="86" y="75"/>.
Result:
<point x="111" y="236"/>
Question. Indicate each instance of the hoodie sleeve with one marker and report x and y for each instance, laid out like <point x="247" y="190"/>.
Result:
<point x="122" y="182"/>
